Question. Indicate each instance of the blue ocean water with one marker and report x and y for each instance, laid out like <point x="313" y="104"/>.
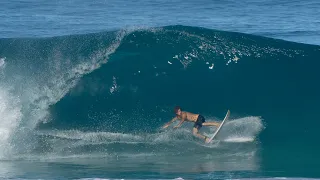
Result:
<point x="85" y="87"/>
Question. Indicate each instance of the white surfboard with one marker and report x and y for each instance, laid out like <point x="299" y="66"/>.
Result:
<point x="224" y="120"/>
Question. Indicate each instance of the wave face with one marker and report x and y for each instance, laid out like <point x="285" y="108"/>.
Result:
<point x="109" y="93"/>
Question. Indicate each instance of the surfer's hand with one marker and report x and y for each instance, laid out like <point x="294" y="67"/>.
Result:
<point x="175" y="127"/>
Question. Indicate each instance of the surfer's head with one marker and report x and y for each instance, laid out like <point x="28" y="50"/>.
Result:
<point x="177" y="110"/>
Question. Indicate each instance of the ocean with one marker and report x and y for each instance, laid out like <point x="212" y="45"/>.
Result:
<point x="85" y="87"/>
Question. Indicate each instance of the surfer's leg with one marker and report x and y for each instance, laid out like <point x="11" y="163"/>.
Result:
<point x="197" y="134"/>
<point x="211" y="123"/>
<point x="203" y="122"/>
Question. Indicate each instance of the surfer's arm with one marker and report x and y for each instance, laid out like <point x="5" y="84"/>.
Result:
<point x="168" y="123"/>
<point x="179" y="123"/>
<point x="182" y="120"/>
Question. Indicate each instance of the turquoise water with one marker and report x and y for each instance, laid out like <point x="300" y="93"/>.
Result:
<point x="91" y="104"/>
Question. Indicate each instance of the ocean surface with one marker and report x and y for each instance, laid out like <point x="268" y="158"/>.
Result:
<point x="85" y="87"/>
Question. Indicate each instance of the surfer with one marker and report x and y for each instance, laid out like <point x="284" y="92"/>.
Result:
<point x="198" y="120"/>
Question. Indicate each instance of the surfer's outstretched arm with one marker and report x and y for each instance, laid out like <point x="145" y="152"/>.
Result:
<point x="168" y="123"/>
<point x="179" y="123"/>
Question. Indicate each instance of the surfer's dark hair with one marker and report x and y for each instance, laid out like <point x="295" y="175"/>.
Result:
<point x="176" y="109"/>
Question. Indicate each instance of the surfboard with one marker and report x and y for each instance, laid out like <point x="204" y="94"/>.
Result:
<point x="224" y="120"/>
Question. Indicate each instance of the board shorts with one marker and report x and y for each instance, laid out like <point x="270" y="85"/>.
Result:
<point x="199" y="121"/>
